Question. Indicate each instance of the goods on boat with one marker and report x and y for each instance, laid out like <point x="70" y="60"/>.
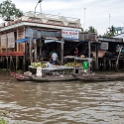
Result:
<point x="73" y="64"/>
<point x="53" y="73"/>
<point x="38" y="64"/>
<point x="21" y="77"/>
<point x="49" y="74"/>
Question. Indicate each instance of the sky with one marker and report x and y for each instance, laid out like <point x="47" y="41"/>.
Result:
<point x="97" y="13"/>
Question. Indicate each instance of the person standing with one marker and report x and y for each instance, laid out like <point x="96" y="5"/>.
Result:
<point x="54" y="57"/>
<point x="76" y="52"/>
<point x="85" y="66"/>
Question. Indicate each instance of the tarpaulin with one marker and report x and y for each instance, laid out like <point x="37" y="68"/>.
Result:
<point x="23" y="40"/>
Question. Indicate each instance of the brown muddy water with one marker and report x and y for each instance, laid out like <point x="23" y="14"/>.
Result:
<point x="62" y="102"/>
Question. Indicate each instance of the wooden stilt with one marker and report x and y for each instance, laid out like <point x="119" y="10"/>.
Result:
<point x="16" y="63"/>
<point x="30" y="50"/>
<point x="23" y="63"/>
<point x="62" y="50"/>
<point x="35" y="50"/>
<point x="104" y="63"/>
<point x="96" y="56"/>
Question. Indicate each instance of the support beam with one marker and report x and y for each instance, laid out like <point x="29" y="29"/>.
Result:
<point x="96" y="56"/>
<point x="30" y="50"/>
<point x="62" y="51"/>
<point x="35" y="50"/>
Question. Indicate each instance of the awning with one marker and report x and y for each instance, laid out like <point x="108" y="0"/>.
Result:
<point x="23" y="40"/>
<point x="50" y="41"/>
<point x="119" y="36"/>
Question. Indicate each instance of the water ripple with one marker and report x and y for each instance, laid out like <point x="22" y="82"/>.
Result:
<point x="65" y="103"/>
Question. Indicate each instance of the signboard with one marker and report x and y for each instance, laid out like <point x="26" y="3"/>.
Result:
<point x="104" y="46"/>
<point x="110" y="39"/>
<point x="69" y="34"/>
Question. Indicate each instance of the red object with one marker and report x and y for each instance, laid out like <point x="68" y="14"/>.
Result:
<point x="12" y="54"/>
<point x="76" y="51"/>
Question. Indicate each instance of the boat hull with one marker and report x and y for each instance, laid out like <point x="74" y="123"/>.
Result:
<point x="54" y="78"/>
<point x="100" y="77"/>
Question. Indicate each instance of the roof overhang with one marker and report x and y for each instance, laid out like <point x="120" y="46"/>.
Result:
<point x="36" y="25"/>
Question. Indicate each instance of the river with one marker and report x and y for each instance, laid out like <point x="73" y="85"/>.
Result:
<point x="62" y="102"/>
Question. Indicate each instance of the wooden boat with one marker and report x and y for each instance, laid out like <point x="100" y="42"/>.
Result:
<point x="53" y="78"/>
<point x="20" y="77"/>
<point x="100" y="77"/>
<point x="53" y="74"/>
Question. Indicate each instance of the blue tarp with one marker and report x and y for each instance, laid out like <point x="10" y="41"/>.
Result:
<point x="23" y="40"/>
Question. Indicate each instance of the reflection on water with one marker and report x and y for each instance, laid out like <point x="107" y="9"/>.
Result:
<point x="65" y="103"/>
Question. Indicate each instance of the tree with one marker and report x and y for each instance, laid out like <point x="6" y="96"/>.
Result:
<point x="92" y="30"/>
<point x="9" y="11"/>
<point x="82" y="29"/>
<point x="110" y="32"/>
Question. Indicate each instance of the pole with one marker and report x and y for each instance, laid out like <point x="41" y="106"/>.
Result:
<point x="62" y="50"/>
<point x="109" y="20"/>
<point x="89" y="45"/>
<point x="97" y="56"/>
<point x="84" y="18"/>
<point x="35" y="9"/>
<point x="40" y="8"/>
<point x="7" y="53"/>
<point x="30" y="49"/>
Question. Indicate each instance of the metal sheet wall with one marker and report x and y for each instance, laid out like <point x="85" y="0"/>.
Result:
<point x="37" y="34"/>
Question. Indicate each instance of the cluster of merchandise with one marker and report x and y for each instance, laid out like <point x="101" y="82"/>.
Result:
<point x="38" y="64"/>
<point x="73" y="64"/>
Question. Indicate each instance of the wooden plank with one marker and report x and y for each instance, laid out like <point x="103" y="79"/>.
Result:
<point x="12" y="54"/>
<point x="11" y="40"/>
<point x="3" y="41"/>
<point x="62" y="51"/>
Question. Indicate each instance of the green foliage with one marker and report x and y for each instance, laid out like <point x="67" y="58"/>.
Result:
<point x="110" y="32"/>
<point x="82" y="29"/>
<point x="2" y="121"/>
<point x="3" y="113"/>
<point x="9" y="11"/>
<point x="92" y="30"/>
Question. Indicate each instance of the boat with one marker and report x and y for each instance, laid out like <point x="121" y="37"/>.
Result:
<point x="20" y="77"/>
<point x="100" y="77"/>
<point x="53" y="74"/>
<point x="58" y="78"/>
<point x="48" y="74"/>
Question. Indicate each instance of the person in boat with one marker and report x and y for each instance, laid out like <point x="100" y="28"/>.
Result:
<point x="85" y="66"/>
<point x="76" y="52"/>
<point x="54" y="57"/>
